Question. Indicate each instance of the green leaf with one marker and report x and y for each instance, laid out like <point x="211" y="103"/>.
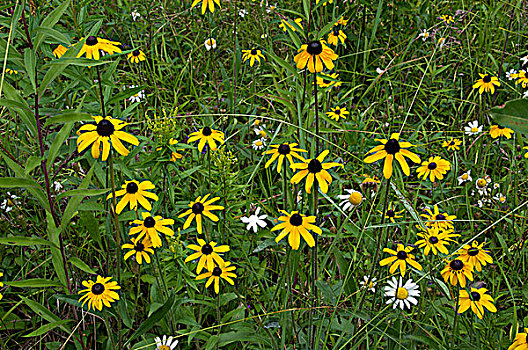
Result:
<point x="25" y="241"/>
<point x="25" y="113"/>
<point x="153" y="320"/>
<point x="125" y="94"/>
<point x="51" y="74"/>
<point x="17" y="182"/>
<point x="14" y="104"/>
<point x="50" y="21"/>
<point x="57" y="36"/>
<point x="31" y="163"/>
<point x="76" y="199"/>
<point x="33" y="283"/>
<point x="43" y="312"/>
<point x="83" y="193"/>
<point x="46" y="328"/>
<point x="69" y="117"/>
<point x="78" y="263"/>
<point x="513" y="115"/>
<point x="30" y="64"/>
<point x="293" y="70"/>
<point x="59" y="139"/>
<point x="83" y="62"/>
<point x="56" y="256"/>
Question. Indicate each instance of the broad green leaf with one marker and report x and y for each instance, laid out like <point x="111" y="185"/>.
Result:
<point x="33" y="283"/>
<point x="83" y="192"/>
<point x="31" y="163"/>
<point x="81" y="265"/>
<point x="84" y="62"/>
<point x="69" y="117"/>
<point x="75" y="200"/>
<point x="25" y="241"/>
<point x="58" y="141"/>
<point x="14" y="104"/>
<point x="16" y="182"/>
<point x="57" y="36"/>
<point x="51" y="74"/>
<point x="44" y="312"/>
<point x="27" y="117"/>
<point x="56" y="256"/>
<point x="46" y="328"/>
<point x="50" y="21"/>
<point x="125" y="94"/>
<point x="293" y="70"/>
<point x="513" y="115"/>
<point x="30" y="62"/>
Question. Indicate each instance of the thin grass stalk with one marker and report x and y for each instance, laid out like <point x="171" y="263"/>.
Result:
<point x="455" y="321"/>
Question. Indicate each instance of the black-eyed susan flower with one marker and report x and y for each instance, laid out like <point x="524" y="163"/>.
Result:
<point x="150" y="226"/>
<point x="399" y="259"/>
<point x="284" y="23"/>
<point x="11" y="71"/>
<point x="457" y="271"/>
<point x="447" y="19"/>
<point x="452" y="144"/>
<point x="435" y="168"/>
<point x="389" y="150"/>
<point x="59" y="50"/>
<point x="328" y="80"/>
<point x="201" y="206"/>
<point x="341" y="21"/>
<point x="498" y="131"/>
<point x="476" y="255"/>
<point x="315" y="56"/>
<point x="486" y="83"/>
<point x="174" y="155"/>
<point x="435" y="218"/>
<point x="106" y="133"/>
<point x="224" y="271"/>
<point x="392" y="213"/>
<point x="477" y="300"/>
<point x="93" y="44"/>
<point x="370" y="184"/>
<point x="206" y="135"/>
<point x="208" y="254"/>
<point x="252" y="55"/>
<point x="337" y="113"/>
<point x="402" y="295"/>
<point x="99" y="292"/>
<point x="521" y="78"/>
<point x="136" y="56"/>
<point x="296" y="225"/>
<point x="140" y="249"/>
<point x="314" y="169"/>
<point x="435" y="239"/>
<point x="134" y="192"/>
<point x="326" y="2"/>
<point x="207" y="4"/>
<point x="284" y="151"/>
<point x="520" y="342"/>
<point x="336" y="35"/>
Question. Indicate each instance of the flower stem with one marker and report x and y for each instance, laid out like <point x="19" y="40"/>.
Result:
<point x="455" y="321"/>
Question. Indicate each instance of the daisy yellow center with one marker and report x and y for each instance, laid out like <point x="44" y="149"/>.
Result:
<point x="207" y="249"/>
<point x="456" y="265"/>
<point x="254" y="52"/>
<point x="98" y="288"/>
<point x="197" y="208"/>
<point x="314" y="48"/>
<point x="163" y="347"/>
<point x="482" y="183"/>
<point x="426" y="34"/>
<point x="402" y="293"/>
<point x="258" y="143"/>
<point x="402" y="255"/>
<point x="105" y="128"/>
<point x="139" y="247"/>
<point x="392" y="146"/>
<point x="296" y="220"/>
<point x="262" y="133"/>
<point x="432" y="166"/>
<point x="472" y="251"/>
<point x="355" y="198"/>
<point x="486" y="79"/>
<point x="257" y="122"/>
<point x="132" y="187"/>
<point x="284" y="149"/>
<point x="149" y="222"/>
<point x="465" y="176"/>
<point x="315" y="166"/>
<point x="502" y="199"/>
<point x="474" y="129"/>
<point x="217" y="271"/>
<point x="91" y="41"/>
<point x="207" y="131"/>
<point x="135" y="53"/>
<point x="433" y="240"/>
<point x="475" y="296"/>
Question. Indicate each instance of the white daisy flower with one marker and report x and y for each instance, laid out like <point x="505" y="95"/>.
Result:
<point x="482" y="186"/>
<point x="254" y="221"/>
<point x="496" y="185"/>
<point x="165" y="343"/>
<point x="480" y="203"/>
<point x="261" y="132"/>
<point x="369" y="285"/>
<point x="402" y="295"/>
<point x="473" y="128"/>
<point x="57" y="186"/>
<point x="465" y="177"/>
<point x="271" y="8"/>
<point x="500" y="198"/>
<point x="137" y="97"/>
<point x="259" y="144"/>
<point x="242" y="13"/>
<point x="525" y="94"/>
<point x="379" y="70"/>
<point x="210" y="44"/>
<point x="135" y="15"/>
<point x="424" y="35"/>
<point x="510" y="73"/>
<point x="264" y="36"/>
<point x="441" y="43"/>
<point x="524" y="60"/>
<point x="350" y="200"/>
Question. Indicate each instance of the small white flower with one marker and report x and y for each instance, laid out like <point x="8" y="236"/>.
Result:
<point x="524" y="60"/>
<point x="473" y="128"/>
<point x="264" y="36"/>
<point x="135" y="15"/>
<point x="465" y="177"/>
<point x="259" y="144"/>
<point x="441" y="43"/>
<point x="166" y="343"/>
<point x="402" y="295"/>
<point x="371" y="284"/>
<point x="254" y="220"/>
<point x="496" y="185"/>
<point x="500" y="198"/>
<point x="480" y="203"/>
<point x="482" y="186"/>
<point x="210" y="44"/>
<point x="57" y="186"/>
<point x="7" y="204"/>
<point x="137" y="97"/>
<point x="242" y="13"/>
<point x="525" y="94"/>
<point x="424" y="35"/>
<point x="379" y="70"/>
<point x="350" y="200"/>
<point x="510" y="73"/>
<point x="259" y="131"/>
<point x="299" y="197"/>
<point x="271" y="8"/>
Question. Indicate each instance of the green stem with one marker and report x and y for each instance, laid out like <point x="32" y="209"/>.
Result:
<point x="455" y="321"/>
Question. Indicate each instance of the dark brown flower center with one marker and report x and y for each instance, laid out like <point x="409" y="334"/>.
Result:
<point x="207" y="131"/>
<point x="197" y="208"/>
<point x="500" y="127"/>
<point x="456" y="265"/>
<point x="475" y="296"/>
<point x="440" y="217"/>
<point x="139" y="247"/>
<point x="98" y="289"/>
<point x="207" y="249"/>
<point x="135" y="53"/>
<point x="337" y="111"/>
<point x="296" y="220"/>
<point x="391" y="213"/>
<point x="149" y="222"/>
<point x="392" y="146"/>
<point x="315" y="166"/>
<point x="284" y="149"/>
<point x="217" y="271"/>
<point x="314" y="48"/>
<point x="432" y="166"/>
<point x="433" y="240"/>
<point x="254" y="52"/>
<point x="452" y="142"/>
<point x="132" y="187"/>
<point x="105" y="128"/>
<point x="402" y="255"/>
<point x="486" y="79"/>
<point x="473" y="251"/>
<point x="91" y="41"/>
<point x="326" y="81"/>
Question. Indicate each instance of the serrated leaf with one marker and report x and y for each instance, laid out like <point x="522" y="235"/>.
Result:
<point x="513" y="115"/>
